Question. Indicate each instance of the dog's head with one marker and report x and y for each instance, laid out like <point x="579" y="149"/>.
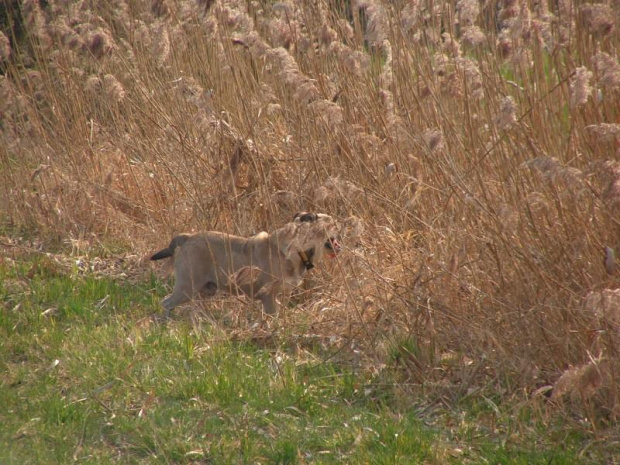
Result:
<point x="318" y="224"/>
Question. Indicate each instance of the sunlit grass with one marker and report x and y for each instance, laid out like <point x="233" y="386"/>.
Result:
<point x="91" y="382"/>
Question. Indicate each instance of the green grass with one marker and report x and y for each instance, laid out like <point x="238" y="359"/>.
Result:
<point x="86" y="382"/>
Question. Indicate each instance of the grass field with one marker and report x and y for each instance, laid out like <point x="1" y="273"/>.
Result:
<point x="469" y="150"/>
<point x="89" y="377"/>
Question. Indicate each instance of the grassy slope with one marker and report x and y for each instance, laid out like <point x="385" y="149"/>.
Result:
<point x="87" y="376"/>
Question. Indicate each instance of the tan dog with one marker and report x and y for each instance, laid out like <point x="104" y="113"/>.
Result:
<point x="262" y="266"/>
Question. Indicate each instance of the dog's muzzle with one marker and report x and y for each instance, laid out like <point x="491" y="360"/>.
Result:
<point x="333" y="247"/>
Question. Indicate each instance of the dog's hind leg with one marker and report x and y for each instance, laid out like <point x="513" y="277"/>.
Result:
<point x="173" y="300"/>
<point x="186" y="286"/>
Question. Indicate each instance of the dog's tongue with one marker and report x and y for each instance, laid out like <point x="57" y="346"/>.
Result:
<point x="335" y="248"/>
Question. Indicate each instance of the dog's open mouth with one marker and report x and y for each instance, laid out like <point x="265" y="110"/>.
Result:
<point x="333" y="247"/>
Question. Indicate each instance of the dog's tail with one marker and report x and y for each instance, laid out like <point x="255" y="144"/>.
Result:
<point x="178" y="241"/>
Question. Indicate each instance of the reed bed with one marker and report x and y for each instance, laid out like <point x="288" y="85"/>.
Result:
<point x="470" y="150"/>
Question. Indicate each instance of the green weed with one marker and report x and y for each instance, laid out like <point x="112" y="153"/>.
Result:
<point x="88" y="383"/>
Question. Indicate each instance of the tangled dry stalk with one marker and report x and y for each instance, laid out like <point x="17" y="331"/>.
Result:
<point x="474" y="147"/>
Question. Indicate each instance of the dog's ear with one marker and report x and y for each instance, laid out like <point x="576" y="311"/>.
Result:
<point x="305" y="217"/>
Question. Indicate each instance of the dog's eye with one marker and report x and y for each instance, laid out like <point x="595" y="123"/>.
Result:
<point x="307" y="217"/>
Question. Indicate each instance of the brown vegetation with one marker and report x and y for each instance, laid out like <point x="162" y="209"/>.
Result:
<point x="473" y="146"/>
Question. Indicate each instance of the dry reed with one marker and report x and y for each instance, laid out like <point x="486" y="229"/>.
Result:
<point x="486" y="236"/>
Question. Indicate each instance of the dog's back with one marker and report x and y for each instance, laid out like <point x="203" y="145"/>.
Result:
<point x="210" y="261"/>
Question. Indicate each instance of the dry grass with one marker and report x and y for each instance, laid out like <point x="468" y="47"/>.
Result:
<point x="474" y="146"/>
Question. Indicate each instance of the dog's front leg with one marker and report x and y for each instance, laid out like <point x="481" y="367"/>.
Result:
<point x="270" y="304"/>
<point x="267" y="295"/>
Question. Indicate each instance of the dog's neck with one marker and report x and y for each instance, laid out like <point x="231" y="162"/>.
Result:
<point x="280" y="238"/>
<point x="306" y="258"/>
